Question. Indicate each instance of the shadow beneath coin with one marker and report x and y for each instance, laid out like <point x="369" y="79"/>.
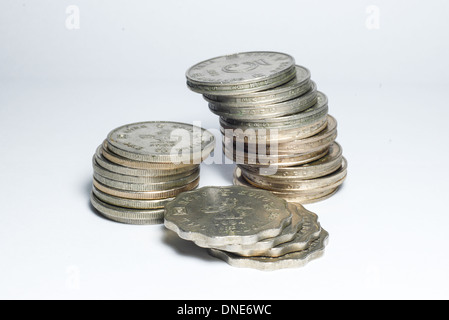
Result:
<point x="184" y="247"/>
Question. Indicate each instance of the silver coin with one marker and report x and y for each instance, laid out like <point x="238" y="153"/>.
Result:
<point x="300" y="85"/>
<point x="161" y="142"/>
<point x="310" y="230"/>
<point x="241" y="73"/>
<point x="292" y="260"/>
<point x="319" y="168"/>
<point x="128" y="216"/>
<point x="143" y="187"/>
<point x="138" y="179"/>
<point x="304" y="185"/>
<point x="129" y="203"/>
<point x="262" y="112"/>
<point x="220" y="216"/>
<point x="288" y="234"/>
<point x="150" y="173"/>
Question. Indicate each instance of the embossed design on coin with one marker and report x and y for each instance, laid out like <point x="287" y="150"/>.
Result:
<point x="220" y="216"/>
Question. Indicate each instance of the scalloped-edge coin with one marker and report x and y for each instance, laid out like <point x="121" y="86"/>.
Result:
<point x="292" y="260"/>
<point x="220" y="216"/>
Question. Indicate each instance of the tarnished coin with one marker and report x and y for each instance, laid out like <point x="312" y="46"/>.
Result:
<point x="220" y="216"/>
<point x="129" y="203"/>
<point x="241" y="73"/>
<point x="319" y="168"/>
<point x="291" y="90"/>
<point x="309" y="116"/>
<point x="261" y="247"/>
<point x="143" y="173"/>
<point x="292" y="260"/>
<point x="151" y="195"/>
<point x="161" y="142"/>
<point x="128" y="216"/>
<point x="286" y="108"/>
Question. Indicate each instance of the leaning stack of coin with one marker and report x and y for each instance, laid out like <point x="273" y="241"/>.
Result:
<point x="141" y="167"/>
<point x="247" y="228"/>
<point x="275" y="124"/>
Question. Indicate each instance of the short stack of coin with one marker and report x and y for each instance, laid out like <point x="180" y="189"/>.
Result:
<point x="247" y="228"/>
<point x="141" y="167"/>
<point x="275" y="124"/>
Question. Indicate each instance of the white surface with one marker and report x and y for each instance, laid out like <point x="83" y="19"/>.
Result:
<point x="62" y="91"/>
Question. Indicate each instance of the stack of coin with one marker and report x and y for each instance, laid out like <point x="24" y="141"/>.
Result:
<point x="275" y="124"/>
<point x="247" y="228"/>
<point x="141" y="167"/>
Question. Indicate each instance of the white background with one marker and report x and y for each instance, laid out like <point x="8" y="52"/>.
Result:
<point x="62" y="91"/>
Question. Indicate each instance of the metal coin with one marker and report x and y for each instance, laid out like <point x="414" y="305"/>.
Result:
<point x="138" y="179"/>
<point x="220" y="216"/>
<point x="152" y="195"/>
<point x="144" y="187"/>
<point x="161" y="142"/>
<point x="295" y="186"/>
<point x="301" y="221"/>
<point x="128" y="216"/>
<point x="305" y="118"/>
<point x="241" y="73"/>
<point x="291" y="260"/>
<point x="291" y="90"/>
<point x="143" y="173"/>
<point x="269" y="136"/>
<point x="319" y="168"/>
<point x="131" y="204"/>
<point x="286" y="108"/>
<point x="119" y="160"/>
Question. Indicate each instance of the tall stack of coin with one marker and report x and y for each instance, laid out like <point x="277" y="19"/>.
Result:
<point x="247" y="227"/>
<point x="141" y="167"/>
<point x="275" y="124"/>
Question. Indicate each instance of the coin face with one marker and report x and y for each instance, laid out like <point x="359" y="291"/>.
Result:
<point x="161" y="142"/>
<point x="219" y="216"/>
<point x="241" y="73"/>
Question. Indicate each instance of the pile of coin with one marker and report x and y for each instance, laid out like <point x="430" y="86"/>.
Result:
<point x="275" y="124"/>
<point x="141" y="167"/>
<point x="247" y="228"/>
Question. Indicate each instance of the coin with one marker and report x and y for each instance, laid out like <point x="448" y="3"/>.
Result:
<point x="285" y="108"/>
<point x="241" y="73"/>
<point x="140" y="179"/>
<point x="269" y="136"/>
<point x="292" y="260"/>
<point x="301" y="221"/>
<point x="161" y="142"/>
<point x="128" y="216"/>
<point x="220" y="216"/>
<point x="152" y="195"/>
<point x="144" y="187"/>
<point x="140" y="164"/>
<point x="293" y="197"/>
<point x="150" y="173"/>
<point x="129" y="203"/>
<point x="319" y="168"/>
<point x="294" y="186"/>
<point x="305" y="118"/>
<point x="291" y="90"/>
<point x="261" y="160"/>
